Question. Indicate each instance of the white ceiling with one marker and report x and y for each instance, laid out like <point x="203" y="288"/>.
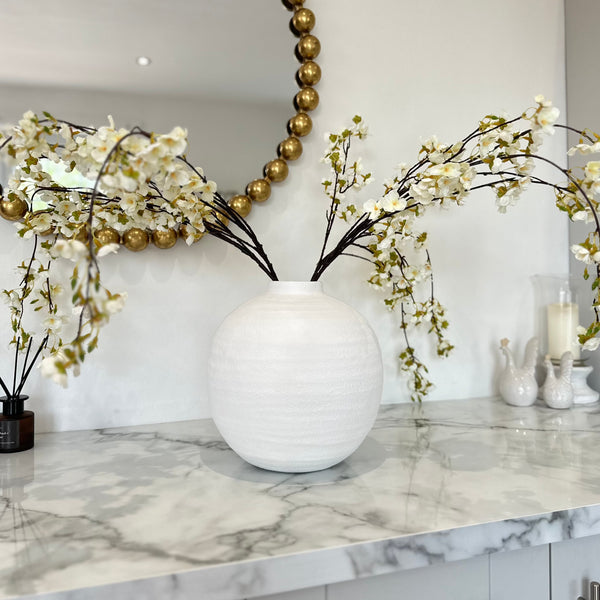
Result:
<point x="215" y="48"/>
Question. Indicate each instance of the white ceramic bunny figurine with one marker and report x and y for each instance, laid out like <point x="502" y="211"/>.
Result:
<point x="518" y="386"/>
<point x="557" y="392"/>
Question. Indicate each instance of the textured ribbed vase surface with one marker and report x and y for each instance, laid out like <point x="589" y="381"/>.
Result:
<point x="294" y="379"/>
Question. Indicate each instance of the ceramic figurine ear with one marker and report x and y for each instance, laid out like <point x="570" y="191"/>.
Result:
<point x="531" y="353"/>
<point x="566" y="365"/>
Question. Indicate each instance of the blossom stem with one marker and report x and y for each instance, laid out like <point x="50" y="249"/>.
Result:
<point x="334" y="204"/>
<point x="574" y="130"/>
<point x="223" y="233"/>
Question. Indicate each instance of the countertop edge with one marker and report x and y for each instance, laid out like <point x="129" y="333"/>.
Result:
<point x="272" y="575"/>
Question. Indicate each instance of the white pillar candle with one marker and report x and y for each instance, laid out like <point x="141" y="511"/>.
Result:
<point x="563" y="320"/>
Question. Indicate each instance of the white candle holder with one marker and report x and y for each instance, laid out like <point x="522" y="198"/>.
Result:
<point x="557" y="316"/>
<point x="556" y="322"/>
<point x="582" y="392"/>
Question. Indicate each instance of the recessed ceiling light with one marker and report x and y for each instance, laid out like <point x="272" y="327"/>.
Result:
<point x="143" y="61"/>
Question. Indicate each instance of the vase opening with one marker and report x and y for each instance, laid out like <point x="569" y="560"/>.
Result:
<point x="296" y="287"/>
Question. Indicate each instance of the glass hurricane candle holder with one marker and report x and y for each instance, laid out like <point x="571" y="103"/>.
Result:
<point x="557" y="318"/>
<point x="557" y="315"/>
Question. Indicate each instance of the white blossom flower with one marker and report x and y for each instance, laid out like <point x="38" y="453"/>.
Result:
<point x="173" y="143"/>
<point x="130" y="203"/>
<point x="107" y="249"/>
<point x="116" y="303"/>
<point x="580" y="215"/>
<point x="546" y="117"/>
<point x="373" y="208"/>
<point x="54" y="323"/>
<point x="581" y="253"/>
<point x="50" y="369"/>
<point x="584" y="149"/>
<point x="592" y="170"/>
<point x="70" y="249"/>
<point x="392" y="203"/>
<point x="591" y="344"/>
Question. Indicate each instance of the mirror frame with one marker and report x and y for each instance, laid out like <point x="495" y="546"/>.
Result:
<point x="306" y="50"/>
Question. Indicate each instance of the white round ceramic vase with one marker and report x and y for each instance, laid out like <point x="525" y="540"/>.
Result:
<point x="295" y="379"/>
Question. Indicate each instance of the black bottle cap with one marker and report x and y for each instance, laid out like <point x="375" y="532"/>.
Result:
<point x="12" y="407"/>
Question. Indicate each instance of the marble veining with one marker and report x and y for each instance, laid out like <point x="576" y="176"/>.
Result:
<point x="170" y="511"/>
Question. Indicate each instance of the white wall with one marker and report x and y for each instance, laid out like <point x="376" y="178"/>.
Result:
<point x="411" y="69"/>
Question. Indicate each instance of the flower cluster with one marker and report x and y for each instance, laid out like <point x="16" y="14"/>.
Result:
<point x="135" y="179"/>
<point x="69" y="305"/>
<point x="501" y="155"/>
<point x="83" y="190"/>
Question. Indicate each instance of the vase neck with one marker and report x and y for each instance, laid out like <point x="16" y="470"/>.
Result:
<point x="296" y="287"/>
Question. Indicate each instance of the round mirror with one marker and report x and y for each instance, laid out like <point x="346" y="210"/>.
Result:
<point x="227" y="70"/>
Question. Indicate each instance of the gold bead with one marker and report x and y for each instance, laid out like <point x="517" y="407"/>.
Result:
<point x="276" y="170"/>
<point x="309" y="47"/>
<point x="48" y="231"/>
<point x="223" y="218"/>
<point x="164" y="239"/>
<point x="13" y="210"/>
<point x="241" y="204"/>
<point x="303" y="20"/>
<point x="300" y="125"/>
<point x="258" y="190"/>
<point x="307" y="99"/>
<point x="135" y="239"/>
<point x="290" y="4"/>
<point x="107" y="235"/>
<point x="290" y="149"/>
<point x="309" y="73"/>
<point x="186" y="231"/>
<point x="81" y="235"/>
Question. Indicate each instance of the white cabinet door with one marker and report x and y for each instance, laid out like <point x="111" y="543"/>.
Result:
<point x="460" y="580"/>
<point x="520" y="574"/>
<point x="315" y="593"/>
<point x="573" y="564"/>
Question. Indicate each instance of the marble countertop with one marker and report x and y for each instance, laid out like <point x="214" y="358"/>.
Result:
<point x="168" y="510"/>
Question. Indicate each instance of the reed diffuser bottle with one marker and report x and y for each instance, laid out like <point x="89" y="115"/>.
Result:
<point x="16" y="425"/>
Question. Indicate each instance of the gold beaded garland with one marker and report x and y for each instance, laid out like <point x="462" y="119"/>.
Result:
<point x="164" y="239"/>
<point x="13" y="210"/>
<point x="309" y="73"/>
<point x="303" y="20"/>
<point x="300" y="125"/>
<point x="107" y="235"/>
<point x="241" y="204"/>
<point x="308" y="47"/>
<point x="276" y="170"/>
<point x="135" y="239"/>
<point x="307" y="99"/>
<point x="290" y="149"/>
<point x="258" y="190"/>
